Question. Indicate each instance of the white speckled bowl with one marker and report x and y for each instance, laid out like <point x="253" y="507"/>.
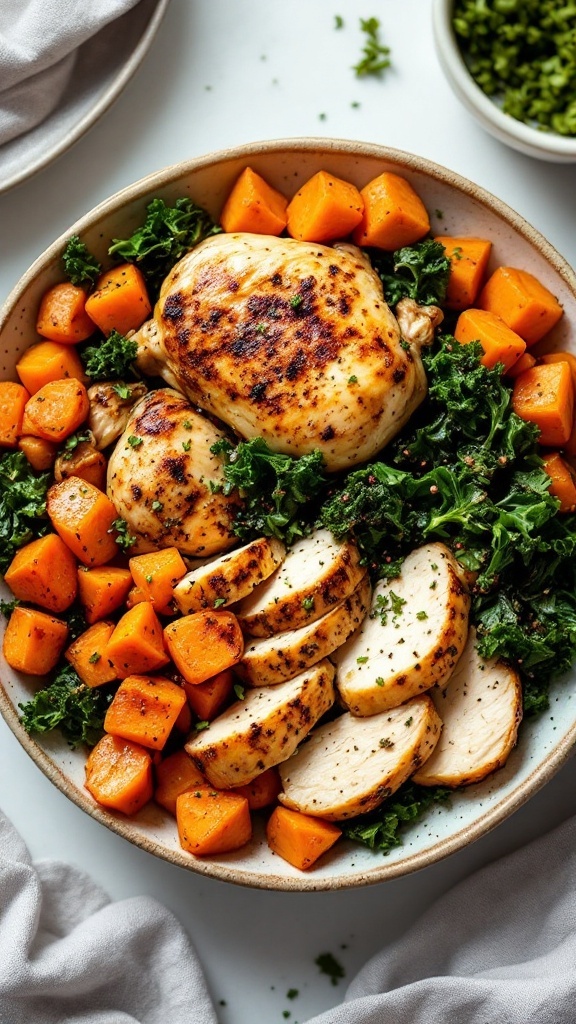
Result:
<point x="455" y="206"/>
<point x="542" y="145"/>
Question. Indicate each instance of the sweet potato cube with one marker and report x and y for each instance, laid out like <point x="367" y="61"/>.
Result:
<point x="62" y="314"/>
<point x="44" y="573"/>
<point x="86" y="655"/>
<point x="253" y="205"/>
<point x="468" y="263"/>
<point x="33" y="641"/>
<point x="524" y="304"/>
<point x="119" y="774"/>
<point x="48" y="361"/>
<point x="136" y="644"/>
<point x="120" y="300"/>
<point x="544" y="395"/>
<point x="56" y="410"/>
<point x="524" y="362"/>
<point x="211" y="822"/>
<point x="324" y="208"/>
<point x="83" y="516"/>
<point x="561" y="357"/>
<point x="500" y="344"/>
<point x="175" y="775"/>
<point x="204" y="643"/>
<point x="156" y="574"/>
<point x="135" y="596"/>
<point x="262" y="791"/>
<point x="144" y="709"/>
<point x="208" y="698"/>
<point x="562" y="481"/>
<point x="102" y="590"/>
<point x="394" y="215"/>
<point x="299" y="838"/>
<point x="41" y="454"/>
<point x="13" y="399"/>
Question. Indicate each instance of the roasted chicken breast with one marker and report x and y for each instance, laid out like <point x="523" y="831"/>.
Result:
<point x="291" y="341"/>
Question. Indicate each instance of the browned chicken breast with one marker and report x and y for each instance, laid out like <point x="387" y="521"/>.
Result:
<point x="159" y="477"/>
<point x="287" y="340"/>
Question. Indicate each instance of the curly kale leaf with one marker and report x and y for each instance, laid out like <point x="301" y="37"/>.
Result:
<point x="111" y="359"/>
<point x="275" y="489"/>
<point x="418" y="272"/>
<point x="80" y="266"/>
<point x="382" y="829"/>
<point x="167" y="234"/>
<point x="22" y="505"/>
<point x="69" y="705"/>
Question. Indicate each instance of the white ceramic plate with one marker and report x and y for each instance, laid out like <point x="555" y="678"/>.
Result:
<point x="456" y="206"/>
<point x="101" y="74"/>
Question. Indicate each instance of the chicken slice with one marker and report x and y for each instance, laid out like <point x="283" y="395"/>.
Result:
<point x="271" y="660"/>
<point x="229" y="578"/>
<point x="412" y="638"/>
<point x="317" y="573"/>
<point x="287" y="340"/>
<point x="349" y="766"/>
<point x="263" y="729"/>
<point x="481" y="707"/>
<point x="159" y="477"/>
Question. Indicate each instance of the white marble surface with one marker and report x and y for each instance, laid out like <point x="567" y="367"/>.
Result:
<point x="222" y="72"/>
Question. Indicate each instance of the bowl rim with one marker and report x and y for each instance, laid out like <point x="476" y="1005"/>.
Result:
<point x="505" y="127"/>
<point x="554" y="759"/>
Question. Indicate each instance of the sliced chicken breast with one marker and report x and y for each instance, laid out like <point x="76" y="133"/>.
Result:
<point x="229" y="578"/>
<point x="481" y="707"/>
<point x="317" y="573"/>
<point x="273" y="659"/>
<point x="349" y="766"/>
<point x="263" y="729"/>
<point x="411" y="639"/>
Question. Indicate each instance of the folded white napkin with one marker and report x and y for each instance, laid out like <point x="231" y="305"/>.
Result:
<point x="40" y="44"/>
<point x="70" y="956"/>
<point x="500" y="948"/>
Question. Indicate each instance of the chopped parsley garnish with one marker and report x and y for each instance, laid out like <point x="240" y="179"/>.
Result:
<point x="329" y="965"/>
<point x="167" y="234"/>
<point x="239" y="691"/>
<point x="124" y="539"/>
<point x="219" y="602"/>
<point x="134" y="441"/>
<point x="80" y="266"/>
<point x="110" y="358"/>
<point x="308" y="604"/>
<point x="375" y="56"/>
<point x="122" y="390"/>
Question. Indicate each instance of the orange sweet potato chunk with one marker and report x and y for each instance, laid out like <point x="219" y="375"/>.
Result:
<point x="41" y="454"/>
<point x="253" y="205"/>
<point x="144" y="710"/>
<point x="175" y="775"/>
<point x="56" y="410"/>
<point x="211" y="822"/>
<point x="523" y="303"/>
<point x="103" y="590"/>
<point x="120" y="301"/>
<point x="83" y="517"/>
<point x="500" y="344"/>
<point x="62" y="315"/>
<point x="299" y="838"/>
<point x="44" y="573"/>
<point x="86" y="655"/>
<point x="208" y="698"/>
<point x="48" y="361"/>
<point x="13" y="399"/>
<point x="205" y="643"/>
<point x="136" y="645"/>
<point x="262" y="791"/>
<point x="324" y="208"/>
<point x="156" y="573"/>
<point x="33" y="641"/>
<point x="544" y="395"/>
<point x="525" y="362"/>
<point x="119" y="774"/>
<point x="468" y="263"/>
<point x="394" y="215"/>
<point x="562" y="481"/>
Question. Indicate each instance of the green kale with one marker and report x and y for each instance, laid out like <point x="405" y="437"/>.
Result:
<point x="7" y="607"/>
<point x="375" y="56"/>
<point x="69" y="705"/>
<point x="524" y="54"/>
<point x="418" y="272"/>
<point x="277" y="491"/>
<point x="80" y="266"/>
<point x="111" y="359"/>
<point x="382" y="828"/>
<point x="167" y="234"/>
<point x="22" y="505"/>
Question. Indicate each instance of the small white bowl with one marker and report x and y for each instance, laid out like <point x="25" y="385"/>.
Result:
<point x="520" y="136"/>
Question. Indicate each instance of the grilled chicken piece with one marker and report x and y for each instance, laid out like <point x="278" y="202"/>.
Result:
<point x="263" y="729"/>
<point x="110" y="411"/>
<point x="317" y="573"/>
<point x="229" y="578"/>
<point x="282" y="656"/>
<point x="349" y="766"/>
<point x="159" y="475"/>
<point x="481" y="707"/>
<point x="288" y="340"/>
<point x="413" y="637"/>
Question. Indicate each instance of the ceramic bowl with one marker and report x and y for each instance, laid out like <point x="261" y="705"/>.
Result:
<point x="520" y="136"/>
<point x="456" y="206"/>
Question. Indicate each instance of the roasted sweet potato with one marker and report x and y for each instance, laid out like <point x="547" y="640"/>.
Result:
<point x="523" y="303"/>
<point x="119" y="774"/>
<point x="208" y="698"/>
<point x="176" y="774"/>
<point x="136" y="645"/>
<point x="324" y="208"/>
<point x="86" y="654"/>
<point x="393" y="216"/>
<point x="299" y="838"/>
<point x="562" y="481"/>
<point x="62" y="314"/>
<point x="44" y="573"/>
<point x="468" y="262"/>
<point x="156" y="574"/>
<point x="544" y="395"/>
<point x="144" y="709"/>
<point x="33" y="641"/>
<point x="41" y="454"/>
<point x="500" y="344"/>
<point x="262" y="791"/>
<point x="103" y="590"/>
<point x="83" y="516"/>
<point x="211" y="822"/>
<point x="13" y="400"/>
<point x="204" y="643"/>
<point x="120" y="300"/>
<point x="56" y="410"/>
<point x="253" y="205"/>
<point x="48" y="361"/>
